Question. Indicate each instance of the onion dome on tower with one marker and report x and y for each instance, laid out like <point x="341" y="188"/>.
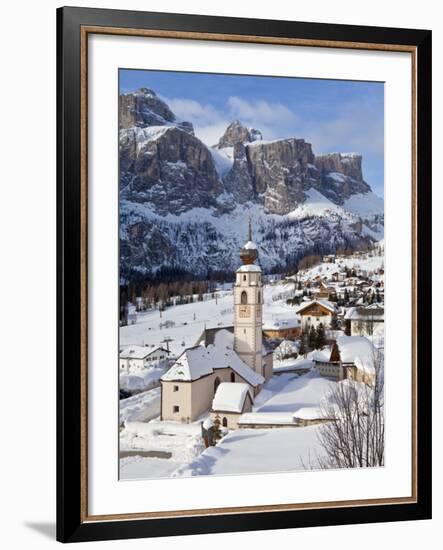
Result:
<point x="249" y="253"/>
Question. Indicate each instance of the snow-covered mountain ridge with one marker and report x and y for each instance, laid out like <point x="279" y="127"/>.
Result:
<point x="184" y="206"/>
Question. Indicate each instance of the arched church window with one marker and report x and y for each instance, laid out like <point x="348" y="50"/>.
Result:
<point x="216" y="384"/>
<point x="232" y="377"/>
<point x="259" y="297"/>
<point x="225" y="422"/>
<point x="244" y="298"/>
<point x="244" y="277"/>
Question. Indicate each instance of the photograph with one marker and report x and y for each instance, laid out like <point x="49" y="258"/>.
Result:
<point x="251" y="274"/>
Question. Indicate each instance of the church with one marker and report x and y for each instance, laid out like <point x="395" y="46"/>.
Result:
<point x="233" y="356"/>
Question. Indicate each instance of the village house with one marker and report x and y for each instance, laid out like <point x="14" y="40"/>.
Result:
<point x="351" y="357"/>
<point x="189" y="386"/>
<point x="231" y="400"/>
<point x="282" y="329"/>
<point x="329" y="259"/>
<point x="365" y="320"/>
<point x="133" y="358"/>
<point x="316" y="312"/>
<point x="325" y="292"/>
<point x="338" y="276"/>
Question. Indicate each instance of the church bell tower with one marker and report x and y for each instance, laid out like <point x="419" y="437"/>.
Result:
<point x="248" y="307"/>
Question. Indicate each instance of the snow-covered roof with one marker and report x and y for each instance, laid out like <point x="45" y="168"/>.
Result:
<point x="373" y="312"/>
<point x="325" y="303"/>
<point x="251" y="268"/>
<point x="230" y="397"/>
<point x="276" y="418"/>
<point x="200" y="361"/>
<point x="308" y="413"/>
<point x="358" y="350"/>
<point x="137" y="352"/>
<point x="192" y="364"/>
<point x="250" y="246"/>
<point x="281" y="324"/>
<point x="320" y="355"/>
<point x="208" y="423"/>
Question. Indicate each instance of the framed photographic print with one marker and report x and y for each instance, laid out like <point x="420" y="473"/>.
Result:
<point x="244" y="274"/>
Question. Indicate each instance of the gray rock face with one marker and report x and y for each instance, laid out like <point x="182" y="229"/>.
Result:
<point x="143" y="108"/>
<point x="237" y="133"/>
<point x="282" y="171"/>
<point x="340" y="176"/>
<point x="239" y="181"/>
<point x="173" y="171"/>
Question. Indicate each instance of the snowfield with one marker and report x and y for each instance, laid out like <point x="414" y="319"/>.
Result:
<point x="143" y="379"/>
<point x="249" y="451"/>
<point x="243" y="451"/>
<point x="140" y="407"/>
<point x="190" y="320"/>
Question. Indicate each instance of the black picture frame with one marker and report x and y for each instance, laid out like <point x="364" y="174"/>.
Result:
<point x="71" y="523"/>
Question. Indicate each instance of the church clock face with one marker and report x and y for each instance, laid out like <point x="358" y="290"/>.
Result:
<point x="244" y="311"/>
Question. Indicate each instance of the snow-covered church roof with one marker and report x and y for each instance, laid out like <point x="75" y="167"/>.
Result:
<point x="249" y="268"/>
<point x="199" y="361"/>
<point x="230" y="397"/>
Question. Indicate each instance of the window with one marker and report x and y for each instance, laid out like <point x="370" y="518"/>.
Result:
<point x="175" y="409"/>
<point x="216" y="384"/>
<point x="244" y="298"/>
<point x="225" y="422"/>
<point x="232" y="377"/>
<point x="259" y="297"/>
<point x="244" y="277"/>
<point x="175" y="388"/>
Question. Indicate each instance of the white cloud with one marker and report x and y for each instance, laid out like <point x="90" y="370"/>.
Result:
<point x="354" y="130"/>
<point x="194" y="111"/>
<point x="261" y="112"/>
<point x="274" y="120"/>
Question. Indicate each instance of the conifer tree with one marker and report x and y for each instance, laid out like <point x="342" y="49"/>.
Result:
<point x="334" y="322"/>
<point x="302" y="347"/>
<point x="217" y="434"/>
<point x="320" y="336"/>
<point x="312" y="338"/>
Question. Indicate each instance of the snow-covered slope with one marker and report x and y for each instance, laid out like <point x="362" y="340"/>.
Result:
<point x="365" y="205"/>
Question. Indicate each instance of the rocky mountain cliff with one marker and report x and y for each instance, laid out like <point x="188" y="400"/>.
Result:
<point x="183" y="204"/>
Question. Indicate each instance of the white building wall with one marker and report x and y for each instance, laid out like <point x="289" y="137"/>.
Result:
<point x="313" y="320"/>
<point x="361" y="328"/>
<point x="248" y="318"/>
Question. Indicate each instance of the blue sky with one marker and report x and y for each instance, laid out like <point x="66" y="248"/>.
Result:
<point x="332" y="115"/>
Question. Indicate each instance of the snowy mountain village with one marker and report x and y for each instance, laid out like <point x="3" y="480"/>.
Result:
<point x="247" y="376"/>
